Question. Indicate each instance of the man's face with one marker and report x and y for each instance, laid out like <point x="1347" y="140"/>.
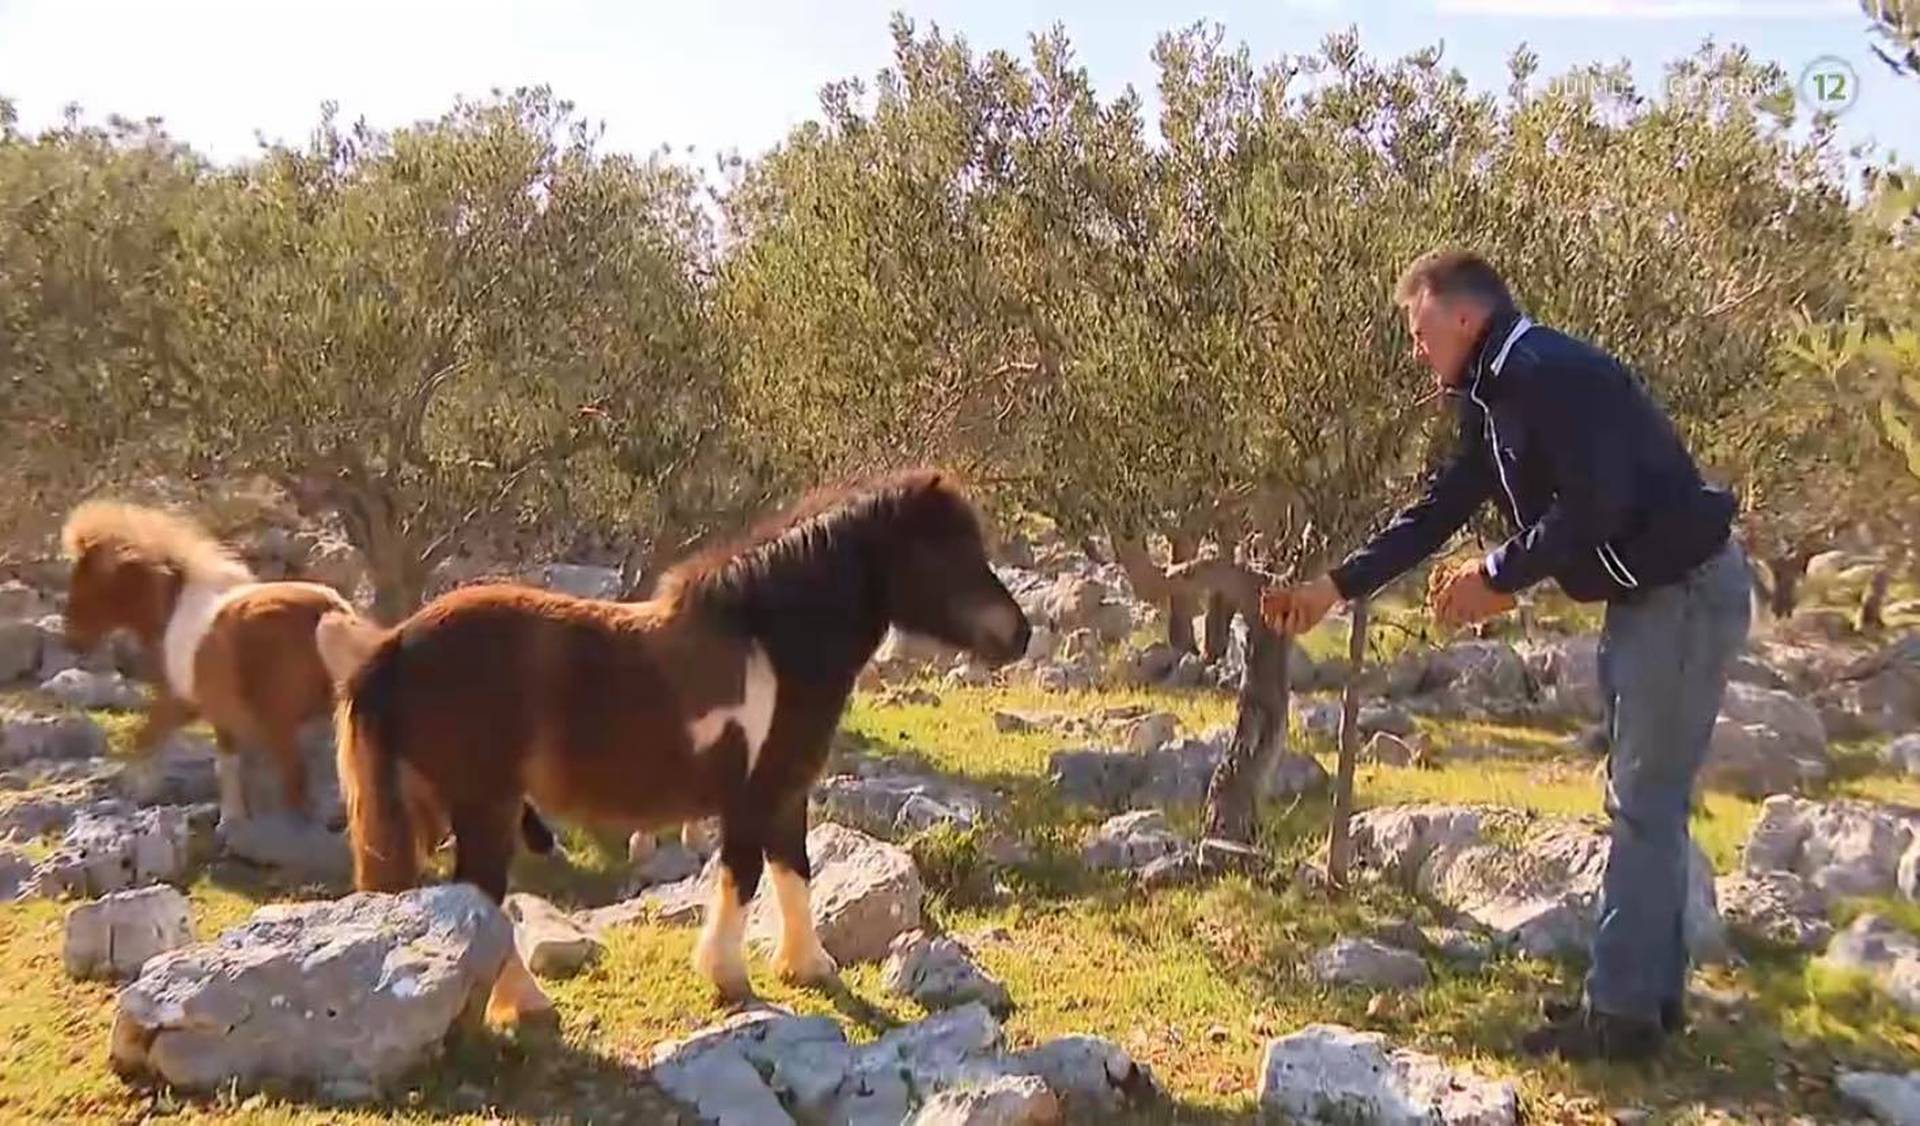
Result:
<point x="1444" y="334"/>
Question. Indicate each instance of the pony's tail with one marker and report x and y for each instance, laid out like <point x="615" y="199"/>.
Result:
<point x="346" y="641"/>
<point x="386" y="856"/>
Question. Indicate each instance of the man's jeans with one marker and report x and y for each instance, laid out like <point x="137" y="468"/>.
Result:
<point x="1664" y="662"/>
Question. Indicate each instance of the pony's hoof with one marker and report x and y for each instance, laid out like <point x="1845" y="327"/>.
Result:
<point x="812" y="967"/>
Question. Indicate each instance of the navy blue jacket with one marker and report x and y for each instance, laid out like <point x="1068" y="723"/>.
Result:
<point x="1599" y="490"/>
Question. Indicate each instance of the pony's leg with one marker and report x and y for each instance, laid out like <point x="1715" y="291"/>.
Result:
<point x="799" y="957"/>
<point x="285" y="748"/>
<point x="720" y="954"/>
<point x="167" y="715"/>
<point x="228" y="772"/>
<point x="483" y="843"/>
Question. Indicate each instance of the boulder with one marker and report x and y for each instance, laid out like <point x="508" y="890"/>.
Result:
<point x="114" y="936"/>
<point x="864" y="893"/>
<point x="1765" y="742"/>
<point x="112" y="846"/>
<point x="1131" y="841"/>
<point x="1845" y="847"/>
<point x="1478" y="671"/>
<point x="1879" y="948"/>
<point x="1151" y="732"/>
<point x="939" y="973"/>
<point x="1010" y="1100"/>
<point x="16" y="872"/>
<point x="181" y="771"/>
<point x="1903" y="754"/>
<point x="1326" y="1073"/>
<point x="1362" y="961"/>
<point x="1892" y="1099"/>
<point x="20" y="602"/>
<point x="1778" y="906"/>
<point x="356" y="991"/>
<point x="109" y="691"/>
<point x="19" y="650"/>
<point x="550" y="943"/>
<point x="1151" y="665"/>
<point x="66" y="738"/>
<point x="1569" y="672"/>
<point x="293" y="843"/>
<point x="897" y="805"/>
<point x="1538" y="894"/>
<point x="1395" y="841"/>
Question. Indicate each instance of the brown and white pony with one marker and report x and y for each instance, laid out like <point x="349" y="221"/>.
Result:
<point x="716" y="697"/>
<point x="217" y="642"/>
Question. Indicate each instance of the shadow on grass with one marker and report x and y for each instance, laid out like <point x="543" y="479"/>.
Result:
<point x="533" y="1075"/>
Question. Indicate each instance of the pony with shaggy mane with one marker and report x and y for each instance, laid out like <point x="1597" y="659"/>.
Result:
<point x="217" y="641"/>
<point x="718" y="696"/>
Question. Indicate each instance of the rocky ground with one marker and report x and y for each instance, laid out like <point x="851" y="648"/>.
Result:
<point x="1008" y="871"/>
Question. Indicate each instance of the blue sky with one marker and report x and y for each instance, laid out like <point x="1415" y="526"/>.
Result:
<point x="723" y="75"/>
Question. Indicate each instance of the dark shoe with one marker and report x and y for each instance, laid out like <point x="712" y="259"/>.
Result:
<point x="1673" y="1014"/>
<point x="1588" y="1035"/>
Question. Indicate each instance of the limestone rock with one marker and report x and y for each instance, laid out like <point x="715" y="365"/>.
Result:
<point x="357" y="990"/>
<point x="114" y="936"/>
<point x="1892" y="1099"/>
<point x="79" y="688"/>
<point x="1362" y="961"/>
<point x="1131" y="841"/>
<point x="1777" y="905"/>
<point x="864" y="893"/>
<point x="66" y="738"/>
<point x="939" y="973"/>
<point x="1331" y="1074"/>
<point x="1011" y="1100"/>
<point x="550" y="943"/>
<point x="1844" y="847"/>
<point x="1876" y="946"/>
<point x="112" y="846"/>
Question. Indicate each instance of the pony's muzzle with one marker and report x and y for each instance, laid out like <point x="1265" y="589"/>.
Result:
<point x="1001" y="631"/>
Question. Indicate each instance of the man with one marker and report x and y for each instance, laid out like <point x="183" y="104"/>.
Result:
<point x="1603" y="498"/>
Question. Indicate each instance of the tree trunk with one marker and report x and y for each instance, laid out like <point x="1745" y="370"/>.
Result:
<point x="394" y="562"/>
<point x="1873" y="604"/>
<point x="1259" y="735"/>
<point x="1787" y="571"/>
<point x="1219" y="627"/>
<point x="1339" y="844"/>
<point x="1180" y="605"/>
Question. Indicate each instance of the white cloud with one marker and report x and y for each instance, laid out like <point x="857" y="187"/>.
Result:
<point x="1651" y="9"/>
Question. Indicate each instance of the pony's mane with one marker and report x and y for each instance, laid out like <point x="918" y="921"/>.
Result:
<point x="151" y="536"/>
<point x="812" y="527"/>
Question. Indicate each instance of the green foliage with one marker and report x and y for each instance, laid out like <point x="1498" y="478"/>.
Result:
<point x="481" y="333"/>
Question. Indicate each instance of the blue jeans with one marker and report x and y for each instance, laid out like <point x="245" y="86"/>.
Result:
<point x="1664" y="663"/>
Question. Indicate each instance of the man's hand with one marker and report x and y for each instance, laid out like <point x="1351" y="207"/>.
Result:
<point x="1463" y="597"/>
<point x="1296" y="609"/>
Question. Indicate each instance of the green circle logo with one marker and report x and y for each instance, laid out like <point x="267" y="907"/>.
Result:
<point x="1830" y="85"/>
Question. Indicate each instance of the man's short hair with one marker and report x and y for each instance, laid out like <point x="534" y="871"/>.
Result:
<point x="1449" y="272"/>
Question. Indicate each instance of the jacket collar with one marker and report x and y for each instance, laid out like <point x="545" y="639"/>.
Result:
<point x="1496" y="341"/>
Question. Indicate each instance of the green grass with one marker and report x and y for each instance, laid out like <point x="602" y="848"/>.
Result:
<point x="1192" y="981"/>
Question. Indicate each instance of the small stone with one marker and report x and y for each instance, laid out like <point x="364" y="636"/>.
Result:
<point x="939" y="973"/>
<point x="551" y="944"/>
<point x="114" y="936"/>
<point x="79" y="688"/>
<point x="1010" y="1100"/>
<point x="1362" y="961"/>
<point x="1218" y="1034"/>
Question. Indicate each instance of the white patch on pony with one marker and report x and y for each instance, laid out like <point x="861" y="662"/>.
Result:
<point x="199" y="603"/>
<point x="753" y="713"/>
